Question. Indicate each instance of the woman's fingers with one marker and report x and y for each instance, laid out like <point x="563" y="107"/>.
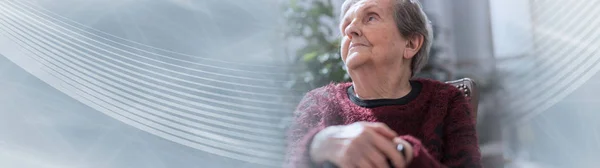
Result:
<point x="362" y="144"/>
<point x="388" y="148"/>
<point x="408" y="149"/>
<point x="364" y="163"/>
<point x="383" y="129"/>
<point x="376" y="158"/>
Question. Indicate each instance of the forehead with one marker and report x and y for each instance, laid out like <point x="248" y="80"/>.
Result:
<point x="351" y="6"/>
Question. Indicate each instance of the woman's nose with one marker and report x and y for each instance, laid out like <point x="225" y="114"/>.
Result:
<point x="353" y="30"/>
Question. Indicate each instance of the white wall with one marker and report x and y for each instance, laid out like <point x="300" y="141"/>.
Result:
<point x="511" y="27"/>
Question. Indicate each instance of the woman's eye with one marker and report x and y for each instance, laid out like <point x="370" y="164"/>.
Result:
<point x="371" y="18"/>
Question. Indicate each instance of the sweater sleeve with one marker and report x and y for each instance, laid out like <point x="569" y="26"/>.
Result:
<point x="307" y="122"/>
<point x="460" y="147"/>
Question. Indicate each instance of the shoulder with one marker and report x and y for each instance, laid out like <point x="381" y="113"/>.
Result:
<point x="439" y="89"/>
<point x="326" y="92"/>
<point x="443" y="93"/>
<point x="323" y="96"/>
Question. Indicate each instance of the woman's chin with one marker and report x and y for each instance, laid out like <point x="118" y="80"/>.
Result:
<point x="355" y="61"/>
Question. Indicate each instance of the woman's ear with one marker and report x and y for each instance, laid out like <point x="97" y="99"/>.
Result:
<point x="414" y="43"/>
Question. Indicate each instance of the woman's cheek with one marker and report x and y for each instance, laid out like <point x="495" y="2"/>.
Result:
<point x="344" y="49"/>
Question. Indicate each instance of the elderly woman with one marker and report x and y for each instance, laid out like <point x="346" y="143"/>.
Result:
<point x="384" y="118"/>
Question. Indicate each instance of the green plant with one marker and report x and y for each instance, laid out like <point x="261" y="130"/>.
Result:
<point x="318" y="61"/>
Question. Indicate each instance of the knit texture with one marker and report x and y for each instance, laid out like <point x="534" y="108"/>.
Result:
<point x="437" y="123"/>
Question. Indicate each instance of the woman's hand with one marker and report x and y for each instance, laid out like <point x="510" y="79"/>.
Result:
<point x="361" y="144"/>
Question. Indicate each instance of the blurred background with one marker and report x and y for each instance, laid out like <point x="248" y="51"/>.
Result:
<point x="213" y="83"/>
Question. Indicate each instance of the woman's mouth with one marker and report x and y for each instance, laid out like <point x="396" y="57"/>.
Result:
<point x="353" y="45"/>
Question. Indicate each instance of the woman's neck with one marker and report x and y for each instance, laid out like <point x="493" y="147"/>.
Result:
<point x="370" y="85"/>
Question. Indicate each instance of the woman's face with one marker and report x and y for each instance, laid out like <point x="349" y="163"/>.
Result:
<point x="370" y="35"/>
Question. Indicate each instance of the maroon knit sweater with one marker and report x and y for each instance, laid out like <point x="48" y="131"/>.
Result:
<point x="435" y="120"/>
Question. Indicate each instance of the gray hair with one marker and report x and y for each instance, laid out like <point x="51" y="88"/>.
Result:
<point x="410" y="19"/>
